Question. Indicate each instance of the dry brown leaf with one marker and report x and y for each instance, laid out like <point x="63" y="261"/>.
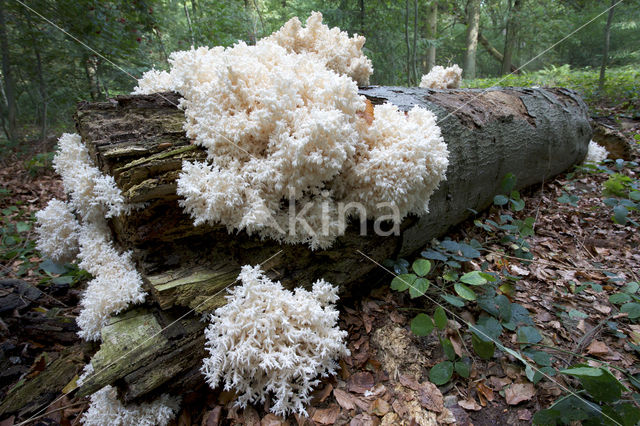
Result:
<point x="319" y="395"/>
<point x="597" y="348"/>
<point x="518" y="392"/>
<point x="364" y="419"/>
<point x="380" y="407"/>
<point x="345" y="399"/>
<point x="360" y="382"/>
<point x="430" y="397"/>
<point x="326" y="416"/>
<point x="470" y="404"/>
<point x="273" y="420"/>
<point x="485" y="393"/>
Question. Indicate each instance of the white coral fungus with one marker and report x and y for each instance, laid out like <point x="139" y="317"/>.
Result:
<point x="280" y="124"/>
<point x="268" y="339"/>
<point x="106" y="409"/>
<point x="442" y="78"/>
<point x="93" y="197"/>
<point x="57" y="231"/>
<point x="331" y="46"/>
<point x="116" y="284"/>
<point x="596" y="153"/>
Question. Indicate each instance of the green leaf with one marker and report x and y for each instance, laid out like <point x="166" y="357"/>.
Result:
<point x="484" y="349"/>
<point x="418" y="287"/>
<point x="23" y="227"/>
<point x="619" y="298"/>
<point x="462" y="369"/>
<point x="517" y="205"/>
<point x="441" y="373"/>
<point x="576" y="314"/>
<point x="53" y="268"/>
<point x="500" y="200"/>
<point x="508" y="183"/>
<point x="620" y="214"/>
<point x="422" y="325"/>
<point x="474" y="278"/>
<point x="447" y="347"/>
<point x="528" y="334"/>
<point x="599" y="382"/>
<point x="67" y="279"/>
<point x="450" y="276"/>
<point x="631" y="287"/>
<point x="421" y="267"/>
<point x="631" y="308"/>
<point x="453" y="300"/>
<point x="440" y="318"/>
<point x="464" y="291"/>
<point x="402" y="282"/>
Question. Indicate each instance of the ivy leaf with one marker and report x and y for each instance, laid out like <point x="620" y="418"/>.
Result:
<point x="421" y="267"/>
<point x="484" y="349"/>
<point x="462" y="369"/>
<point x="508" y="183"/>
<point x="631" y="308"/>
<point x="500" y="200"/>
<point x="418" y="287"/>
<point x="453" y="300"/>
<point x="434" y="255"/>
<point x="528" y="334"/>
<point x="441" y="373"/>
<point x="464" y="291"/>
<point x="402" y="282"/>
<point x="440" y="318"/>
<point x="422" y="325"/>
<point x="474" y="278"/>
<point x="619" y="298"/>
<point x="447" y="347"/>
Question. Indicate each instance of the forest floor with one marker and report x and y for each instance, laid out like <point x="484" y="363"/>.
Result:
<point x="580" y="259"/>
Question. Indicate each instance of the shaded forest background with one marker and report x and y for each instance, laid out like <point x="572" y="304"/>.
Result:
<point x="45" y="72"/>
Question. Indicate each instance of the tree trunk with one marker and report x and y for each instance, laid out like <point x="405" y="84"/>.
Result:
<point x="605" y="50"/>
<point x="473" y="26"/>
<point x="7" y="76"/>
<point x="511" y="36"/>
<point x="432" y="34"/>
<point x="493" y="51"/>
<point x="532" y="133"/>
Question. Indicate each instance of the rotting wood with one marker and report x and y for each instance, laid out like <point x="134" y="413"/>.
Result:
<point x="533" y="133"/>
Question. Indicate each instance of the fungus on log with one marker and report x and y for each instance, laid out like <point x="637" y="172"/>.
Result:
<point x="138" y="139"/>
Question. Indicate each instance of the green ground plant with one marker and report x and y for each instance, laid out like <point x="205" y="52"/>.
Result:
<point x="438" y="274"/>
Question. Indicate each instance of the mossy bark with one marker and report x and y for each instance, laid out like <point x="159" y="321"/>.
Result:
<point x="532" y="133"/>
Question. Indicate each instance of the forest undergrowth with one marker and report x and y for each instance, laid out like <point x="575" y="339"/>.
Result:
<point x="538" y="302"/>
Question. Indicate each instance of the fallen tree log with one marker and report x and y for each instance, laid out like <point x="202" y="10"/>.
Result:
<point x="532" y="133"/>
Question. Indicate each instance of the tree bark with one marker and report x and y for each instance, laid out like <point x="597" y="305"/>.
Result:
<point x="532" y="133"/>
<point x="432" y="34"/>
<point x="7" y="76"/>
<point x="473" y="26"/>
<point x="493" y="51"/>
<point x="511" y="36"/>
<point x="605" y="50"/>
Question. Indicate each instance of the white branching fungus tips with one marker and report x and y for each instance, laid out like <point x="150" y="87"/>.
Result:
<point x="267" y="339"/>
<point x="106" y="409"/>
<point x="288" y="140"/>
<point x="329" y="45"/>
<point x="92" y="198"/>
<point x="116" y="284"/>
<point x="57" y="231"/>
<point x="442" y="78"/>
<point x="596" y="153"/>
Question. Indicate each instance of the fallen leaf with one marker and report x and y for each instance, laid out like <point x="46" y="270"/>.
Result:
<point x="364" y="419"/>
<point x="597" y="348"/>
<point x="497" y="383"/>
<point x="326" y="416"/>
<point x="485" y="393"/>
<point x="430" y="397"/>
<point x="345" y="399"/>
<point x="380" y="407"/>
<point x="518" y="392"/>
<point x="320" y="395"/>
<point x="470" y="404"/>
<point x="273" y="420"/>
<point x="524" y="415"/>
<point x="212" y="418"/>
<point x="360" y="382"/>
<point x="519" y="271"/>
